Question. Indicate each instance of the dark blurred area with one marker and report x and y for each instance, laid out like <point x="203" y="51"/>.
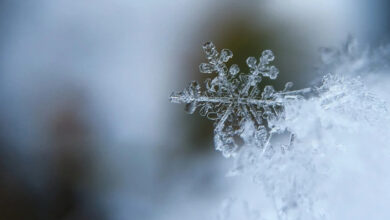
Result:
<point x="87" y="131"/>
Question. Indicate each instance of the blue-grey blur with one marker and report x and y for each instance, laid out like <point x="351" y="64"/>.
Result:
<point x="86" y="127"/>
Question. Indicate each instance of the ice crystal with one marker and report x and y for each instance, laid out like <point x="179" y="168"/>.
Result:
<point x="235" y="100"/>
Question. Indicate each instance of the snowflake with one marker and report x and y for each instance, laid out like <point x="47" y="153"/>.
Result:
<point x="235" y="101"/>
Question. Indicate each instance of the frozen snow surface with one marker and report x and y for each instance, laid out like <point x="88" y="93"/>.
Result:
<point x="316" y="153"/>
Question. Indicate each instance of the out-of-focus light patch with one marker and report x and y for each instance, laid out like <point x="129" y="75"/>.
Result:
<point x="324" y="21"/>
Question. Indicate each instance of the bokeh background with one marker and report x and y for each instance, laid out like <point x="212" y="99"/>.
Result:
<point x="86" y="127"/>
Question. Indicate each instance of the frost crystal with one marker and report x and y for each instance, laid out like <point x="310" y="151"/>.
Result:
<point x="235" y="101"/>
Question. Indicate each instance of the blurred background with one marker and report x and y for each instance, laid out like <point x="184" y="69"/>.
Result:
<point x="86" y="127"/>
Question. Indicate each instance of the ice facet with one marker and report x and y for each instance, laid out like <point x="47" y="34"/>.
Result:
<point x="251" y="61"/>
<point x="206" y="68"/>
<point x="226" y="55"/>
<point x="234" y="69"/>
<point x="273" y="72"/>
<point x="210" y="50"/>
<point x="267" y="56"/>
<point x="268" y="92"/>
